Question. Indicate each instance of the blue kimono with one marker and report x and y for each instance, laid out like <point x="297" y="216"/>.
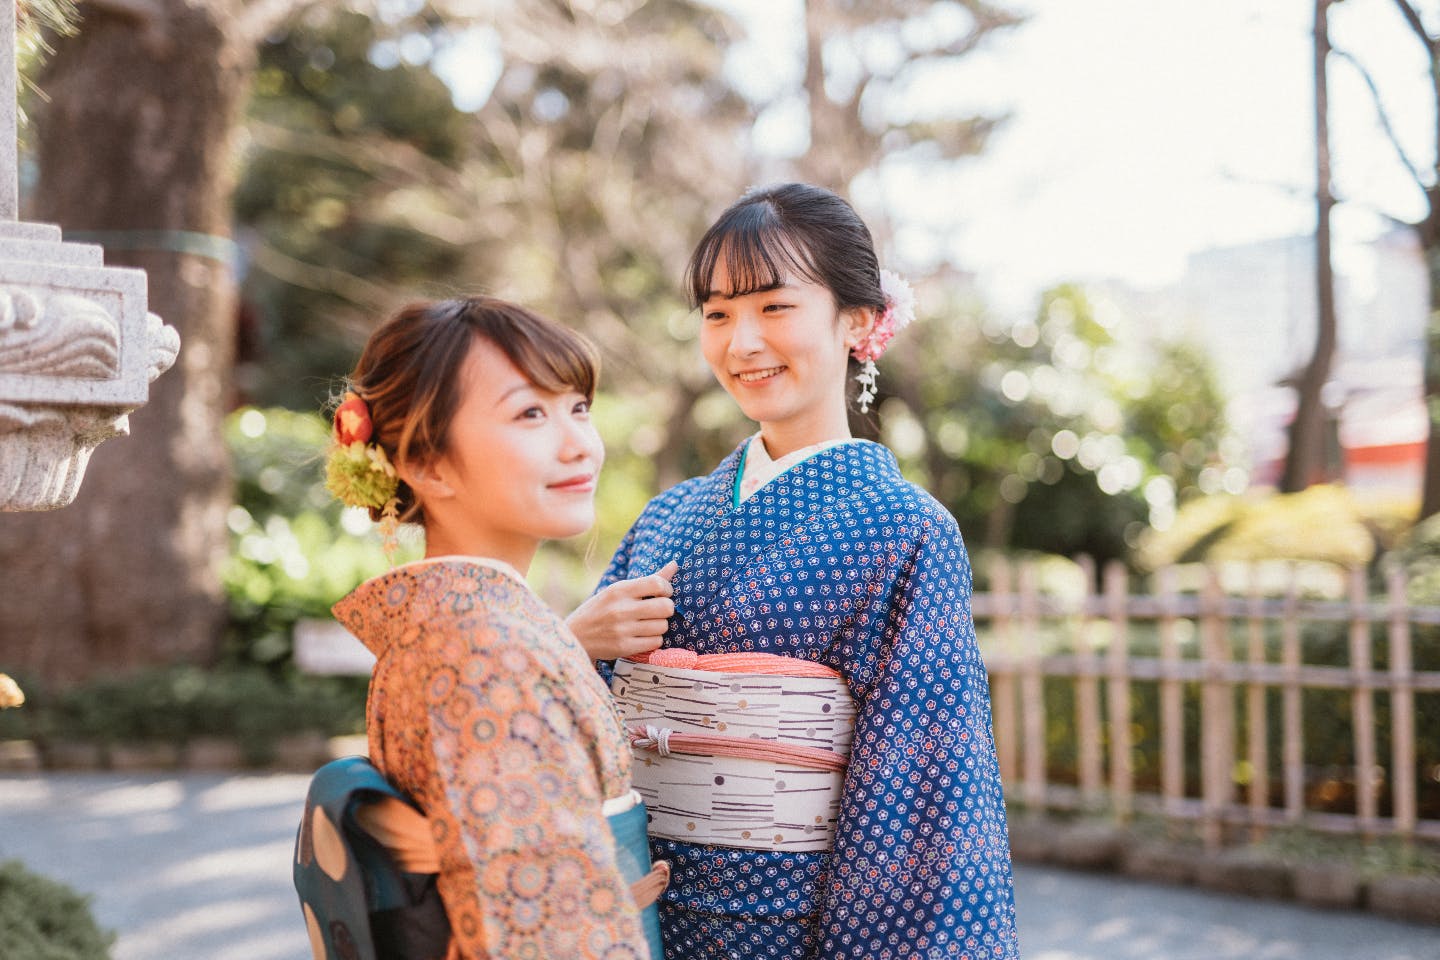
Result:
<point x="842" y="561"/>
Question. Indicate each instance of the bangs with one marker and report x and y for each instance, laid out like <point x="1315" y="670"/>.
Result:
<point x="552" y="357"/>
<point x="758" y="253"/>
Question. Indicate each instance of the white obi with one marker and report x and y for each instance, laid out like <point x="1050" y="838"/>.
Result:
<point x="746" y="760"/>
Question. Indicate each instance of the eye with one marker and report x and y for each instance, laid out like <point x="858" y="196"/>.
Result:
<point x="777" y="307"/>
<point x="535" y="412"/>
<point x="581" y="408"/>
<point x="715" y="315"/>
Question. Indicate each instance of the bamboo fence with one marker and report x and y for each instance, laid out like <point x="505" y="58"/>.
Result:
<point x="1229" y="667"/>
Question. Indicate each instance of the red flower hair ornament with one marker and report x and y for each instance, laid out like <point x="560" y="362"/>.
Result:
<point x="358" y="473"/>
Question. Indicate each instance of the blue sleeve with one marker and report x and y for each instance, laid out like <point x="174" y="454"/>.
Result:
<point x="921" y="862"/>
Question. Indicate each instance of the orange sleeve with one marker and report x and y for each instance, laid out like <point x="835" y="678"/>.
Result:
<point x="528" y="865"/>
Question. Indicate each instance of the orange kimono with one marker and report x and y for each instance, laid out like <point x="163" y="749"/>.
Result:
<point x="486" y="711"/>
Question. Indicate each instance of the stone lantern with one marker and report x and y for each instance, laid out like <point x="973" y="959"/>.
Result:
<point x="78" y="348"/>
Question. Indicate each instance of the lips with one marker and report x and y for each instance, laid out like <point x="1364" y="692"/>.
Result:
<point x="582" y="483"/>
<point x="758" y="376"/>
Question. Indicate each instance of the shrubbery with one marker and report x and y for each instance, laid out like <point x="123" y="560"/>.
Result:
<point x="175" y="705"/>
<point x="41" y="919"/>
<point x="294" y="550"/>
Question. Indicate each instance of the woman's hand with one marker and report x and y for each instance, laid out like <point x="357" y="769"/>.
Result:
<point x="627" y="617"/>
<point x="648" y="888"/>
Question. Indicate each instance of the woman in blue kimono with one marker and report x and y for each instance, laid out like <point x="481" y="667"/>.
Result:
<point x="808" y="543"/>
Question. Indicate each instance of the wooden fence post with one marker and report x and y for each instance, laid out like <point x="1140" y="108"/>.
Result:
<point x="1032" y="690"/>
<point x="1292" y="717"/>
<point x="1122" y="781"/>
<point x="1172" y="714"/>
<point x="1402" y="709"/>
<point x="1003" y="692"/>
<point x="1362" y="699"/>
<point x="1217" y="715"/>
<point x="1087" y="695"/>
<point x="1256" y="720"/>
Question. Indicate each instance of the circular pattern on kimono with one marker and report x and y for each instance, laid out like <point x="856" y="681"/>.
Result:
<point x="464" y="720"/>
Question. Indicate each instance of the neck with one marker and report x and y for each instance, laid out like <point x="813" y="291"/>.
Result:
<point x="518" y="552"/>
<point x="786" y="437"/>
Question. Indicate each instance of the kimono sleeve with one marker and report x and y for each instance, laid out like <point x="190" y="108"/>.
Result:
<point x="921" y="862"/>
<point x="527" y="862"/>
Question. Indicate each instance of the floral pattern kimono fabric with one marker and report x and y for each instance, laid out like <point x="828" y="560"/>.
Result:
<point x="841" y="561"/>
<point x="484" y="710"/>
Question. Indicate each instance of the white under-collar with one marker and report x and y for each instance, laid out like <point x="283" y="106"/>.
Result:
<point x="760" y="469"/>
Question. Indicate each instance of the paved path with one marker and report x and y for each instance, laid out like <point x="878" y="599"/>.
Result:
<point x="197" y="867"/>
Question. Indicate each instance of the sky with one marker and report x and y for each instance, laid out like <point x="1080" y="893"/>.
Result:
<point x="1139" y="132"/>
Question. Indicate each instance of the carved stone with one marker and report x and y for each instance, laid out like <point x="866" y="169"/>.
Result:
<point x="78" y="351"/>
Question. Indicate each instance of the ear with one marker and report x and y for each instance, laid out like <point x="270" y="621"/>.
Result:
<point x="428" y="479"/>
<point x="858" y="321"/>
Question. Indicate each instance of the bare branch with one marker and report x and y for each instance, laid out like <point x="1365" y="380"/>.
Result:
<point x="1412" y="17"/>
<point x="376" y="157"/>
<point x="347" y="286"/>
<point x="1383" y="115"/>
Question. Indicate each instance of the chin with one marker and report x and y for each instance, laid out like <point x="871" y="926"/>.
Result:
<point x="565" y="527"/>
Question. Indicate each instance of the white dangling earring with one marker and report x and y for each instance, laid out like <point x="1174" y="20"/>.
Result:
<point x="866" y="378"/>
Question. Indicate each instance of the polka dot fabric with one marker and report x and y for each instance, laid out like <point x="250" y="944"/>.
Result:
<point x="841" y="561"/>
<point x="484" y="710"/>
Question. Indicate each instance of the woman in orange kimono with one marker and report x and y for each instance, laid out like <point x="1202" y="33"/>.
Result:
<point x="471" y="418"/>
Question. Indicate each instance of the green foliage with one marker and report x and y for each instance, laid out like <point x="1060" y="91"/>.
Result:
<point x="294" y="550"/>
<point x="41" y="919"/>
<point x="1419" y="556"/>
<point x="1322" y="523"/>
<point x="175" y="705"/>
<point x="335" y="141"/>
<point x="1055" y="434"/>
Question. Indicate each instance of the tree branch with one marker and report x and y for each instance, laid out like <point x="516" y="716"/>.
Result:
<point x="347" y="286"/>
<point x="379" y="158"/>
<point x="1383" y="115"/>
<point x="1412" y="17"/>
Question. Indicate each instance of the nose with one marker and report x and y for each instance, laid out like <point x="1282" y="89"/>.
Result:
<point x="746" y="339"/>
<point x="580" y="441"/>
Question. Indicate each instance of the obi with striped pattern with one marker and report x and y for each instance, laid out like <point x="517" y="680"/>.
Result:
<point x="737" y="750"/>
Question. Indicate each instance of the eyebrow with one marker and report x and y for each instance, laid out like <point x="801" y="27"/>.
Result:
<point x="768" y="288"/>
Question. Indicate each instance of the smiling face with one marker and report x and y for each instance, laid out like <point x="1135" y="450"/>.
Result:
<point x="520" y="465"/>
<point x="781" y="353"/>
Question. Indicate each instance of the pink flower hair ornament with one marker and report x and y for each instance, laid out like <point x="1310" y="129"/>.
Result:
<point x="898" y="313"/>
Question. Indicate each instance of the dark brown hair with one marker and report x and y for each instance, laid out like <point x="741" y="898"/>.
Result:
<point x="409" y="372"/>
<point x="791" y="228"/>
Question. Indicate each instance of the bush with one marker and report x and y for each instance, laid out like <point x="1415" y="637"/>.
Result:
<point x="41" y="919"/>
<point x="1323" y="523"/>
<point x="175" y="705"/>
<point x="294" y="550"/>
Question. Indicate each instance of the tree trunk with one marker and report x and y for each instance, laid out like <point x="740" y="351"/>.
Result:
<point x="1306" y="462"/>
<point x="136" y="146"/>
<point x="1429" y="232"/>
